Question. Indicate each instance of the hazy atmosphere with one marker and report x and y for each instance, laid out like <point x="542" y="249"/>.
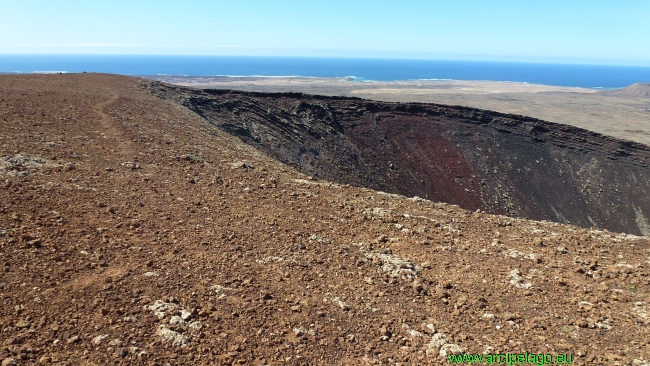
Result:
<point x="579" y="31"/>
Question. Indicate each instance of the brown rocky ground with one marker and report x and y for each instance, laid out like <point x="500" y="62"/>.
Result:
<point x="134" y="232"/>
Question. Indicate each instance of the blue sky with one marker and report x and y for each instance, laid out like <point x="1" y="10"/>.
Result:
<point x="567" y="31"/>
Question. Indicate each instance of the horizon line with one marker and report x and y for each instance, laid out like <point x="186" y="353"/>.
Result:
<point x="467" y="58"/>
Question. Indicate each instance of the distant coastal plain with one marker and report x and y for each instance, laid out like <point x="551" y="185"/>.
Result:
<point x="615" y="113"/>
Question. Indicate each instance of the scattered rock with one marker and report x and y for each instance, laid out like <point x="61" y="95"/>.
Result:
<point x="10" y="361"/>
<point x="160" y="308"/>
<point x="131" y="165"/>
<point x="170" y="336"/>
<point x="518" y="281"/>
<point x="194" y="326"/>
<point x="437" y="341"/>
<point x="396" y="266"/>
<point x="428" y="328"/>
<point x="115" y="342"/>
<point x="377" y="211"/>
<point x="450" y="349"/>
<point x="177" y="320"/>
<point x="241" y="165"/>
<point x="23" y="324"/>
<point x="341" y="304"/>
<point x="98" y="339"/>
<point x="186" y="315"/>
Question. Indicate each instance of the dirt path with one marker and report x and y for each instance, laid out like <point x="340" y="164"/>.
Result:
<point x="112" y="126"/>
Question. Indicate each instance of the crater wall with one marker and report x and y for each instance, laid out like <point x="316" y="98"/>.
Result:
<point x="477" y="159"/>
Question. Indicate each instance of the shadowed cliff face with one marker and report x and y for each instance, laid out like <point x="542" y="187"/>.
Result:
<point x="477" y="159"/>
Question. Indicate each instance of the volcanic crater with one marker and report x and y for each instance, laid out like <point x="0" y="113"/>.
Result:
<point x="477" y="159"/>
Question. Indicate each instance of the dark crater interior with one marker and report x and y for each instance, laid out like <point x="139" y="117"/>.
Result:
<point x="477" y="159"/>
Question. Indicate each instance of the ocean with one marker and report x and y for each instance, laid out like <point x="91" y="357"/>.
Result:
<point x="571" y="75"/>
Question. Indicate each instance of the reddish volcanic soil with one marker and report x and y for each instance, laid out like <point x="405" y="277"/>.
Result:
<point x="132" y="231"/>
<point x="477" y="159"/>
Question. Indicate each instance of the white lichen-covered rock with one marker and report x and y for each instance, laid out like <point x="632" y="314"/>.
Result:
<point x="185" y="314"/>
<point x="299" y="332"/>
<point x="241" y="165"/>
<point x="170" y="336"/>
<point x="518" y="281"/>
<point x="440" y="346"/>
<point x="450" y="349"/>
<point x="641" y="311"/>
<point x="219" y="290"/>
<point x="21" y="164"/>
<point x="341" y="304"/>
<point x="428" y="328"/>
<point x="319" y="239"/>
<point x="411" y="332"/>
<point x="177" y="320"/>
<point x="397" y="267"/>
<point x="513" y="253"/>
<point x="270" y="259"/>
<point x="160" y="308"/>
<point x="115" y="342"/>
<point x="137" y="351"/>
<point x="603" y="326"/>
<point x="197" y="325"/>
<point x="98" y="339"/>
<point x="418" y="199"/>
<point x="438" y="340"/>
<point x="377" y="211"/>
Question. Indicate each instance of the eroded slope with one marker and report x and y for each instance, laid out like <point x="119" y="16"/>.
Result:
<point x="477" y="159"/>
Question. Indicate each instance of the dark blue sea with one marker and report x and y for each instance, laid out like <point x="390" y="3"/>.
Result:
<point x="586" y="76"/>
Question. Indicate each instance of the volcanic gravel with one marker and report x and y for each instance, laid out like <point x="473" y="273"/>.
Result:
<point x="134" y="232"/>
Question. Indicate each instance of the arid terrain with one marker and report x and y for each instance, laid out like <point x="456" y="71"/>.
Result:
<point x="135" y="230"/>
<point x="477" y="159"/>
<point x="623" y="113"/>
